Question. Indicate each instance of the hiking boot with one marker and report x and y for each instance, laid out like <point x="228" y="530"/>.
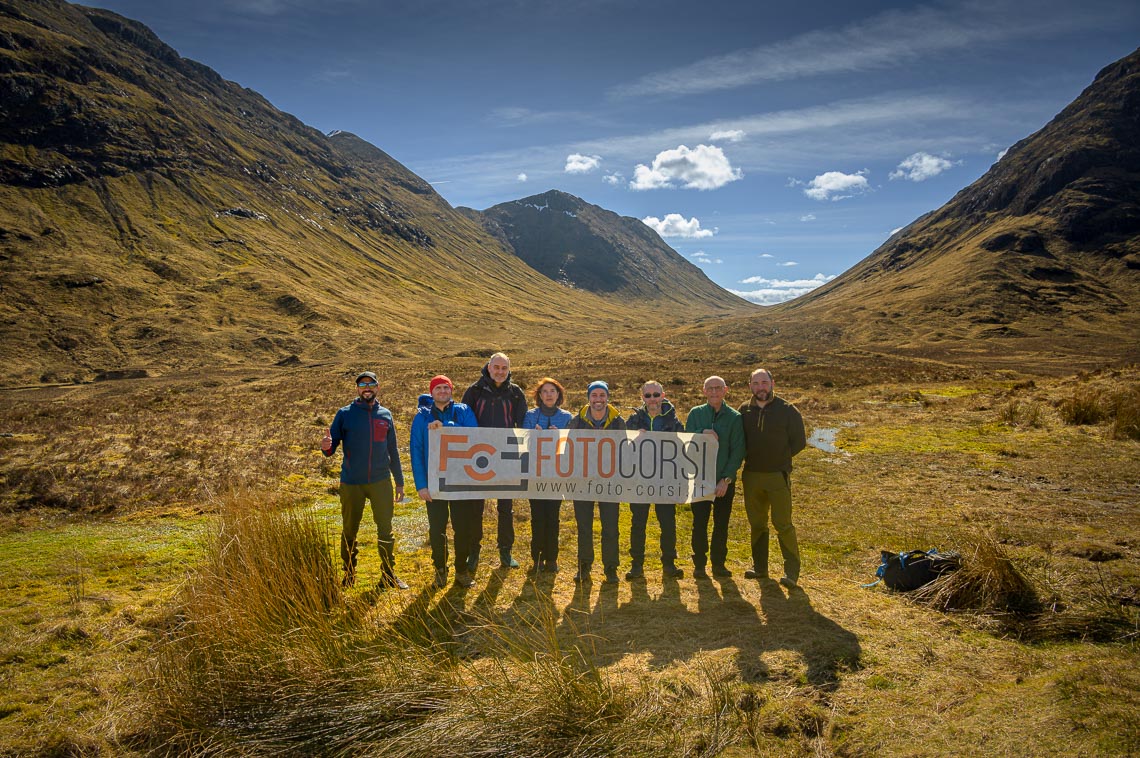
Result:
<point x="634" y="573"/>
<point x="473" y="560"/>
<point x="440" y="579"/>
<point x="464" y="580"/>
<point x="700" y="573"/>
<point x="391" y="580"/>
<point x="550" y="567"/>
<point x="669" y="571"/>
<point x="721" y="571"/>
<point x="506" y="561"/>
<point x="535" y="569"/>
<point x="611" y="576"/>
<point x="788" y="582"/>
<point x="583" y="575"/>
<point x="754" y="574"/>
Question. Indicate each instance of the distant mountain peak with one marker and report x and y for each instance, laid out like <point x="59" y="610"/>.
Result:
<point x="588" y="247"/>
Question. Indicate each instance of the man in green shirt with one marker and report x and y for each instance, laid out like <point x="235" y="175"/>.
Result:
<point x="723" y="422"/>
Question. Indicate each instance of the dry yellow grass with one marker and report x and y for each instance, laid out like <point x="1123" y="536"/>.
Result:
<point x="727" y="667"/>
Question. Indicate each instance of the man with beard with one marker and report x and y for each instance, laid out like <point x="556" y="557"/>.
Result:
<point x="773" y="434"/>
<point x="371" y="460"/>
<point x="597" y="414"/>
<point x="498" y="403"/>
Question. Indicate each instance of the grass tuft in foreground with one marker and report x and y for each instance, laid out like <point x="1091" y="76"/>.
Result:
<point x="264" y="654"/>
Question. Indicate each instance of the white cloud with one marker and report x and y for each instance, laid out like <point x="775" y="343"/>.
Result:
<point x="702" y="257"/>
<point x="888" y="40"/>
<point x="808" y="217"/>
<point x="675" y="225"/>
<point x="767" y="255"/>
<point x="613" y="179"/>
<point x="787" y="263"/>
<point x="836" y="185"/>
<point x="774" y="291"/>
<point x="1002" y="154"/>
<point x="727" y="135"/>
<point x="582" y="164"/>
<point x="920" y="167"/>
<point x="895" y="231"/>
<point x="704" y="168"/>
<point x="521" y="177"/>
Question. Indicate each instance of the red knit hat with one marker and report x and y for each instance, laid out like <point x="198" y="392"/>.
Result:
<point x="438" y="380"/>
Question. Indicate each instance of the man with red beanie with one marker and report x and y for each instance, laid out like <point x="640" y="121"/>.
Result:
<point x="436" y="410"/>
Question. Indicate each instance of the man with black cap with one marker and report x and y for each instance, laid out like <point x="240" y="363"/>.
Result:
<point x="498" y="403"/>
<point x="597" y="414"/>
<point x="371" y="460"/>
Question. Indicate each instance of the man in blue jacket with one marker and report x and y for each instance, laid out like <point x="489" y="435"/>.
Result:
<point x="434" y="411"/>
<point x="371" y="460"/>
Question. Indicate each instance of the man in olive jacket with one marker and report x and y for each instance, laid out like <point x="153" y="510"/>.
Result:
<point x="723" y="422"/>
<point x="773" y="434"/>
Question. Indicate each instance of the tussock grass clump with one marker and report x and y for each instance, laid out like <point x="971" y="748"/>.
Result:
<point x="1126" y="414"/>
<point x="986" y="581"/>
<point x="1021" y="413"/>
<point x="1085" y="407"/>
<point x="264" y="654"/>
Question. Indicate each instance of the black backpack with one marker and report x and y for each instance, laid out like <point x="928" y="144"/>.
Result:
<point x="915" y="568"/>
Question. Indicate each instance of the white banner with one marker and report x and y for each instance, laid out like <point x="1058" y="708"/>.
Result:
<point x="565" y="464"/>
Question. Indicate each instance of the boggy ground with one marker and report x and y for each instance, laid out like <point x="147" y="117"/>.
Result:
<point x="108" y="489"/>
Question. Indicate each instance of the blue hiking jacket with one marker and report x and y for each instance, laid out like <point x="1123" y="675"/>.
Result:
<point x="455" y="414"/>
<point x="369" y="437"/>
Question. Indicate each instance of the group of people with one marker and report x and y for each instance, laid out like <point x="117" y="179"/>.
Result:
<point x="764" y="434"/>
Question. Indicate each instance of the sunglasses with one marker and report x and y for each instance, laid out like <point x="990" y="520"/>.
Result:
<point x="652" y="394"/>
<point x="370" y="385"/>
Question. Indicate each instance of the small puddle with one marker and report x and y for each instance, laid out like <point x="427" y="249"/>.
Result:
<point x="823" y="438"/>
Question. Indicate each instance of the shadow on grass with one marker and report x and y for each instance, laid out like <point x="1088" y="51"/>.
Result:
<point x="664" y="627"/>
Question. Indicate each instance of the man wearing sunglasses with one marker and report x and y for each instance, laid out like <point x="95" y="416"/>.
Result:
<point x="655" y="415"/>
<point x="371" y="460"/>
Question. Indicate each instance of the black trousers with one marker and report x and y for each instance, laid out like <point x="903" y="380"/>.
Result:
<point x="608" y="514"/>
<point x="544" y="530"/>
<point x="667" y="518"/>
<point x="721" y="510"/>
<point x="466" y="518"/>
<point x="506" y="509"/>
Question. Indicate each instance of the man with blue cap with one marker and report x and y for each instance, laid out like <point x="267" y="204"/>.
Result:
<point x="597" y="414"/>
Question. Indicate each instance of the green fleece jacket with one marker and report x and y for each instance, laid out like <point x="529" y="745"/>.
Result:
<point x="772" y="435"/>
<point x="729" y="434"/>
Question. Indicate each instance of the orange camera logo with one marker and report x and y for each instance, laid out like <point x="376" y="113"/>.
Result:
<point x="479" y="456"/>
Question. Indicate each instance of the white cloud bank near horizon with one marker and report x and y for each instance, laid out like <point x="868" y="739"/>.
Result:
<point x="775" y="291"/>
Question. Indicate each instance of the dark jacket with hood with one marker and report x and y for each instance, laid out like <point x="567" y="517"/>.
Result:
<point x="666" y="421"/>
<point x="496" y="407"/>
<point x="369" y="437"/>
<point x="455" y="414"/>
<point x="772" y="435"/>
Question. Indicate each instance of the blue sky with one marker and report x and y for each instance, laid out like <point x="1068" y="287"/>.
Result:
<point x="773" y="144"/>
